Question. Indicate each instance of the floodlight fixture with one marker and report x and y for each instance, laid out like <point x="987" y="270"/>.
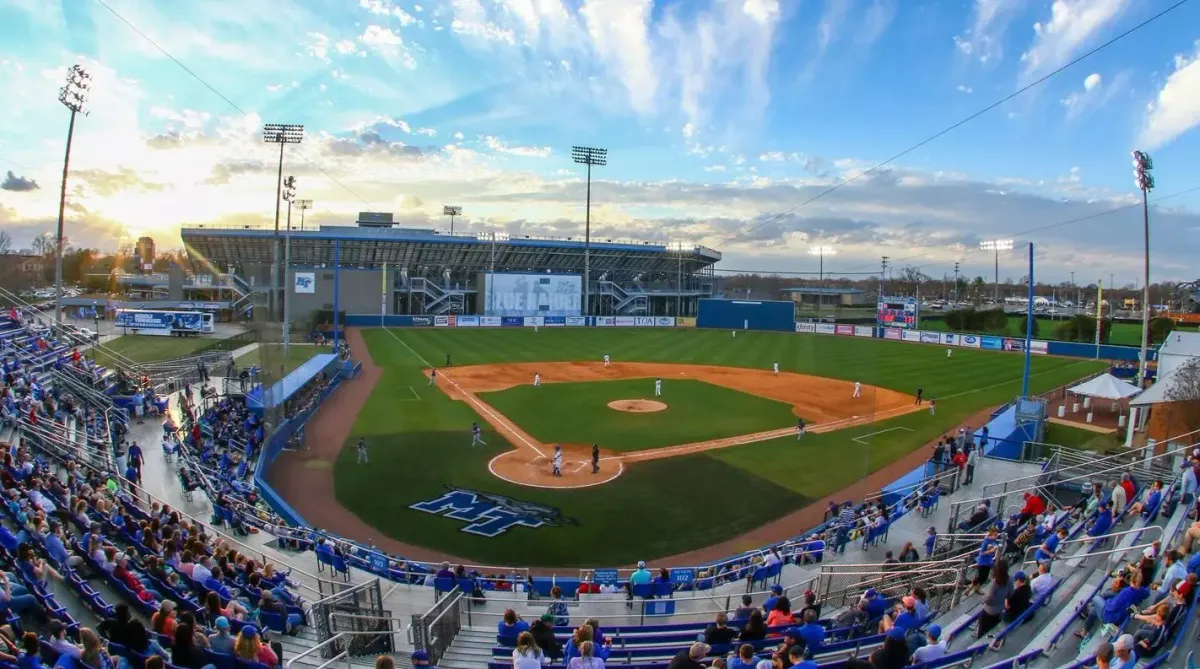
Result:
<point x="281" y="134"/>
<point x="73" y="95"/>
<point x="996" y="246"/>
<point x="303" y="206"/>
<point x="451" y="211"/>
<point x="1142" y="164"/>
<point x="588" y="155"/>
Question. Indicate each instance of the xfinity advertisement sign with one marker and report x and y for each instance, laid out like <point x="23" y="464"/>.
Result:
<point x="558" y="295"/>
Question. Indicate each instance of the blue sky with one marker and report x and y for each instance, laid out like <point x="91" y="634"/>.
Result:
<point x="717" y="114"/>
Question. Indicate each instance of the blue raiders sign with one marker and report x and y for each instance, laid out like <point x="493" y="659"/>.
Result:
<point x="490" y="515"/>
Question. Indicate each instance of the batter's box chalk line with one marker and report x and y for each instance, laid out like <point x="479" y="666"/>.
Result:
<point x="860" y="437"/>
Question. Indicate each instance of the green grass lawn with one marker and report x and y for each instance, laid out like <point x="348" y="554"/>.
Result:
<point x="1122" y="334"/>
<point x="420" y="442"/>
<point x="578" y="413"/>
<point x="270" y="356"/>
<point x="151" y="348"/>
<point x="1081" y="439"/>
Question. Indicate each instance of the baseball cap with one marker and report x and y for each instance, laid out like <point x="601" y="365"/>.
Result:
<point x="793" y="632"/>
<point x="896" y="633"/>
<point x="1020" y="576"/>
<point x="641" y="564"/>
<point x="222" y="623"/>
<point x="871" y="592"/>
<point x="420" y="656"/>
<point x="1124" y="642"/>
<point x="935" y="631"/>
<point x="777" y="589"/>
<point x="1148" y="553"/>
<point x="547" y="618"/>
<point x="909" y="601"/>
<point x="249" y="631"/>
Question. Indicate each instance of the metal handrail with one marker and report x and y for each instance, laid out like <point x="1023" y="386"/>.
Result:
<point x="305" y="653"/>
<point x="949" y="473"/>
<point x="1072" y="542"/>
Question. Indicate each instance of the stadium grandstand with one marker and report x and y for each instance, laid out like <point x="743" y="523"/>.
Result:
<point x="434" y="272"/>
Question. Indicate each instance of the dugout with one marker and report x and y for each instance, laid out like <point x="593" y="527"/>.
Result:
<point x="777" y="315"/>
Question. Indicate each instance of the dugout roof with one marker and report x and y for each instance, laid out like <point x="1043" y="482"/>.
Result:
<point x="364" y="247"/>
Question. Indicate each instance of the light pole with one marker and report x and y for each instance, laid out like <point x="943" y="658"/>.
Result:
<point x="451" y="212"/>
<point x="883" y="278"/>
<point x="1142" y="164"/>
<point x="587" y="155"/>
<point x="303" y="206"/>
<point x="281" y="134"/>
<point x="956" y="283"/>
<point x="73" y="96"/>
<point x="997" y="245"/>
<point x="820" y="251"/>
<point x="289" y="194"/>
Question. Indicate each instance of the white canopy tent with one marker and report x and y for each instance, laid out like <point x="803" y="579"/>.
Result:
<point x="1105" y="387"/>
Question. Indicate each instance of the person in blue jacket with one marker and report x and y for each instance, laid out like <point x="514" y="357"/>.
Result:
<point x="988" y="548"/>
<point x="1114" y="609"/>
<point x="1103" y="522"/>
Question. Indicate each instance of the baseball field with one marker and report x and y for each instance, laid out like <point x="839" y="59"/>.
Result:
<point x="713" y="460"/>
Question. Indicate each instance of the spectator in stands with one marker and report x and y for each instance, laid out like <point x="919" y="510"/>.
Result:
<point x="743" y="612"/>
<point x="269" y="604"/>
<point x="1104" y="656"/>
<point x="641" y="576"/>
<point x="1154" y="628"/>
<point x="894" y="652"/>
<point x="781" y="615"/>
<point x="744" y="659"/>
<point x="754" y="629"/>
<point x="1149" y="502"/>
<point x="57" y="633"/>
<point x="1123" y="649"/>
<point x="1193" y="533"/>
<point x="221" y="641"/>
<point x="934" y="648"/>
<point x="1045" y="552"/>
<point x="1114" y="608"/>
<point x="1120" y="496"/>
<point x="250" y="648"/>
<point x="908" y="553"/>
<point x="15" y="597"/>
<point x="183" y="650"/>
<point x="986" y="558"/>
<point x="420" y="658"/>
<point x="688" y="658"/>
<point x="510" y="627"/>
<point x="583" y="633"/>
<point x="812" y="633"/>
<point x="719" y="633"/>
<point x="1042" y="583"/>
<point x="1019" y="600"/>
<point x="810" y="604"/>
<point x="163" y="621"/>
<point x="1103" y="522"/>
<point x="1174" y="573"/>
<point x="527" y="655"/>
<point x="769" y="604"/>
<point x="542" y="630"/>
<point x="977" y="518"/>
<point x="994" y="598"/>
<point x="558" y="607"/>
<point x="845" y="525"/>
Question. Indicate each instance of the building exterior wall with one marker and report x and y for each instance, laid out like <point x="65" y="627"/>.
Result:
<point x="359" y="292"/>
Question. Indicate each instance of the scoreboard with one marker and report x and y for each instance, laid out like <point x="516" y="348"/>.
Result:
<point x="897" y="312"/>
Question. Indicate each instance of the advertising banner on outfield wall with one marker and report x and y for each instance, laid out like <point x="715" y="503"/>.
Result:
<point x="624" y="321"/>
<point x="864" y="331"/>
<point x="969" y="340"/>
<point x="1040" y="347"/>
<point x="685" y="322"/>
<point x="534" y="321"/>
<point x="422" y="320"/>
<point x="993" y="343"/>
<point x="605" y="321"/>
<point x="826" y="328"/>
<point x="512" y="321"/>
<point x="554" y="321"/>
<point x="930" y="338"/>
<point x="893" y="333"/>
<point x="664" y="322"/>
<point x="490" y="321"/>
<point x="806" y="327"/>
<point x="576" y="321"/>
<point x="468" y="321"/>
<point x="644" y="321"/>
<point x="1035" y="347"/>
<point x="950" y="338"/>
<point x="911" y="335"/>
<point x="844" y="330"/>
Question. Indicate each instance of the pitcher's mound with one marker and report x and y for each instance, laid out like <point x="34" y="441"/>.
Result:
<point x="637" y="406"/>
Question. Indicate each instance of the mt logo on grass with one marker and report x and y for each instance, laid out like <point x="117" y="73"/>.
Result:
<point x="490" y="515"/>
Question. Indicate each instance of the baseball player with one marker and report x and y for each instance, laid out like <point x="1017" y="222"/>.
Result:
<point x="920" y="392"/>
<point x="447" y="359"/>
<point x="932" y="406"/>
<point x="948" y="352"/>
<point x="734" y="333"/>
<point x="857" y="390"/>
<point x="606" y="360"/>
<point x="799" y="429"/>
<point x="362" y="451"/>
<point x="775" y="367"/>
<point x="557" y="462"/>
<point x="477" y="435"/>
<point x="537" y="380"/>
<point x="433" y="376"/>
<point x="595" y="458"/>
<point x="658" y="387"/>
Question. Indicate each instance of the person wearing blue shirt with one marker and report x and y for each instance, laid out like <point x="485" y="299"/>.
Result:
<point x="769" y="605"/>
<point x="1046" y="552"/>
<point x="1175" y="572"/>
<point x="1103" y="522"/>
<point x="508" y="629"/>
<point x="986" y="558"/>
<point x="812" y="634"/>
<point x="1114" y="609"/>
<point x="876" y="604"/>
<point x="930" y="540"/>
<point x="640" y="577"/>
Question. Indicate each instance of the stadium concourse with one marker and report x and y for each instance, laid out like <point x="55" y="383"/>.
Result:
<point x="190" y="552"/>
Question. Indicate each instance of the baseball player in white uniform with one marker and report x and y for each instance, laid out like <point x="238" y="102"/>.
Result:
<point x="606" y="360"/>
<point x="799" y="429"/>
<point x="658" y="387"/>
<point x="734" y="333"/>
<point x="949" y="352"/>
<point x="535" y="328"/>
<point x="557" y="461"/>
<point x="537" y="380"/>
<point x="775" y="367"/>
<point x="857" y="390"/>
<point x="433" y="376"/>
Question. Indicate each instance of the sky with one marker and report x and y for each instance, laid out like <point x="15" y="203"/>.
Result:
<point x="727" y="122"/>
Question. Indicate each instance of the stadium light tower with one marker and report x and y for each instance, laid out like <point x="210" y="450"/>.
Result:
<point x="587" y="155"/>
<point x="821" y="250"/>
<point x="303" y="206"/>
<point x="289" y="194"/>
<point x="73" y="96"/>
<point x="281" y="134"/>
<point x="1142" y="164"/>
<point x="996" y="246"/>
<point x="451" y="212"/>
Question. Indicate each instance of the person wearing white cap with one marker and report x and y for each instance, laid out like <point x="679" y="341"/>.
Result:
<point x="1123" y="649"/>
<point x="641" y="576"/>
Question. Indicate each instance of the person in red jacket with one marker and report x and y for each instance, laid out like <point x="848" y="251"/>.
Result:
<point x="1034" y="506"/>
<point x="960" y="461"/>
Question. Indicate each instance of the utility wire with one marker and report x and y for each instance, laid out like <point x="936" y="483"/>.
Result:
<point x="221" y="95"/>
<point x="968" y="119"/>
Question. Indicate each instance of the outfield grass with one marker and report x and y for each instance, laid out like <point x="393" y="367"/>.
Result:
<point x="1122" y="334"/>
<point x="420" y="442"/>
<point x="151" y="348"/>
<point x="270" y="356"/>
<point x="578" y="413"/>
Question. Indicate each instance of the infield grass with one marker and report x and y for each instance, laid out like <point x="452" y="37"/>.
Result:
<point x="578" y="413"/>
<point x="420" y="441"/>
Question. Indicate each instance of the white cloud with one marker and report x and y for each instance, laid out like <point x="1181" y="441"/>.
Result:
<point x="471" y="20"/>
<point x="714" y="168"/>
<point x="1176" y="108"/>
<point x="317" y="46"/>
<point x="772" y="157"/>
<point x="383" y="8"/>
<point x="689" y="130"/>
<point x="1092" y="81"/>
<point x="1072" y="25"/>
<point x="346" y="47"/>
<point x="458" y="136"/>
<point x="499" y="146"/>
<point x="964" y="89"/>
<point x="428" y="132"/>
<point x="620" y="31"/>
<point x="1094" y="94"/>
<point x="387" y="44"/>
<point x="989" y="20"/>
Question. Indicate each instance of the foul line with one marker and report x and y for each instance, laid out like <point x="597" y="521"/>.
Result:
<point x="471" y="397"/>
<point x="415" y="397"/>
<point x="860" y="438"/>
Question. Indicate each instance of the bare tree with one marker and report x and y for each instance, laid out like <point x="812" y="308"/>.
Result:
<point x="43" y="244"/>
<point x="1185" y="391"/>
<point x="5" y="243"/>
